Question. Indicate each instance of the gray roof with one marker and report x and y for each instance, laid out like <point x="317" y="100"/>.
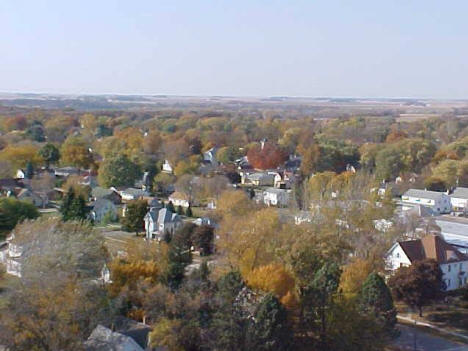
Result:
<point x="134" y="192"/>
<point x="165" y="216"/>
<point x="460" y="192"/>
<point x="153" y="214"/>
<point x="99" y="192"/>
<point x="425" y="194"/>
<point x="451" y="227"/>
<point x="276" y="190"/>
<point x="101" y="203"/>
<point x="104" y="339"/>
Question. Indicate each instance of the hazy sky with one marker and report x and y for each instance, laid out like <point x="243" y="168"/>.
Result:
<point x="376" y="48"/>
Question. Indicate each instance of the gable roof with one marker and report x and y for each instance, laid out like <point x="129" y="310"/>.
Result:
<point x="99" y="192"/>
<point x="460" y="192"/>
<point x="102" y="203"/>
<point x="425" y="194"/>
<point x="165" y="216"/>
<point x="431" y="247"/>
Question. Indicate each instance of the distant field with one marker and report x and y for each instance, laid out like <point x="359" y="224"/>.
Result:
<point x="408" y="117"/>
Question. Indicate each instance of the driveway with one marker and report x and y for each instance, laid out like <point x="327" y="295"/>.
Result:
<point x="424" y="341"/>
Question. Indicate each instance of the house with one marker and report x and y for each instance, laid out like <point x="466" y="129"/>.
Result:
<point x="276" y="197"/>
<point x="210" y="156"/>
<point x="161" y="221"/>
<point x="167" y="167"/>
<point x="303" y="217"/>
<point x="109" y="194"/>
<point x="438" y="202"/>
<point x="453" y="263"/>
<point x="155" y="203"/>
<point x="454" y="230"/>
<point x="179" y="199"/>
<point x="130" y="194"/>
<point x="32" y="197"/>
<point x="258" y="178"/>
<point x="459" y="199"/>
<point x="20" y="174"/>
<point x="66" y="171"/>
<point x="102" y="208"/>
<point x="104" y="339"/>
<point x="8" y="186"/>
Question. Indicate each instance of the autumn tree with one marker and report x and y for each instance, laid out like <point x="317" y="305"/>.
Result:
<point x="59" y="261"/>
<point x="203" y="239"/>
<point x="20" y="155"/>
<point x="418" y="284"/>
<point x="354" y="275"/>
<point x="266" y="156"/>
<point x="75" y="152"/>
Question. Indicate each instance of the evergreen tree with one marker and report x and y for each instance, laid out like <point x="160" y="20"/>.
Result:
<point x="134" y="216"/>
<point x="73" y="206"/>
<point x="188" y="212"/>
<point x="270" y="330"/>
<point x="29" y="172"/>
<point x="180" y="210"/>
<point x="376" y="297"/>
<point x="170" y="206"/>
<point x="179" y="256"/>
<point x="50" y="154"/>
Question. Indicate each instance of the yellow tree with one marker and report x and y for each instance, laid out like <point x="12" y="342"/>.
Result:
<point x="75" y="152"/>
<point x="20" y="155"/>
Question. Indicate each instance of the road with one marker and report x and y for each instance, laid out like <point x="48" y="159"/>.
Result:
<point x="425" y="341"/>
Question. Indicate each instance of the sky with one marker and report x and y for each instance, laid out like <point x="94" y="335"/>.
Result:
<point x="315" y="48"/>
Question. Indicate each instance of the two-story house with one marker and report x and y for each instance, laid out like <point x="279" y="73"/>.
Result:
<point x="452" y="262"/>
<point x="161" y="221"/>
<point x="437" y="201"/>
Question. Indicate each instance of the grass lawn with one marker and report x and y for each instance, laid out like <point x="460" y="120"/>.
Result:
<point x="451" y="316"/>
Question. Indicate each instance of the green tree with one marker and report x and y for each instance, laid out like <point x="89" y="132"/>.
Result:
<point x="418" y="284"/>
<point x="50" y="154"/>
<point x="29" y="172"/>
<point x="118" y="171"/>
<point x="170" y="206"/>
<point x="180" y="210"/>
<point x="73" y="206"/>
<point x="134" y="216"/>
<point x="270" y="329"/>
<point x="179" y="256"/>
<point x="13" y="211"/>
<point x="375" y="297"/>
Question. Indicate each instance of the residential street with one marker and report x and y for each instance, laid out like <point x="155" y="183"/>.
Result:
<point x="425" y="341"/>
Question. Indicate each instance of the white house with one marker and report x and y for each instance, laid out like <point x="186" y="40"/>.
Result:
<point x="20" y="174"/>
<point x="161" y="221"/>
<point x="276" y="197"/>
<point x="130" y="194"/>
<point x="179" y="199"/>
<point x="459" y="199"/>
<point x="210" y="156"/>
<point x="167" y="167"/>
<point x="453" y="263"/>
<point x="258" y="178"/>
<point x="438" y="202"/>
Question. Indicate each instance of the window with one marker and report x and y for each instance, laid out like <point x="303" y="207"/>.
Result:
<point x="449" y="268"/>
<point x="448" y="283"/>
<point x="397" y="255"/>
<point x="461" y="266"/>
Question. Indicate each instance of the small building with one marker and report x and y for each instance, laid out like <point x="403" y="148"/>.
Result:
<point x="32" y="197"/>
<point x="437" y="201"/>
<point x="459" y="199"/>
<point x="258" y="178"/>
<point x="167" y="167"/>
<point x="210" y="156"/>
<point x="276" y="197"/>
<point x="161" y="221"/>
<point x="66" y="171"/>
<point x="453" y="263"/>
<point x="103" y="208"/>
<point x="104" y="339"/>
<point x="130" y="194"/>
<point x="20" y="174"/>
<point x="179" y="199"/>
